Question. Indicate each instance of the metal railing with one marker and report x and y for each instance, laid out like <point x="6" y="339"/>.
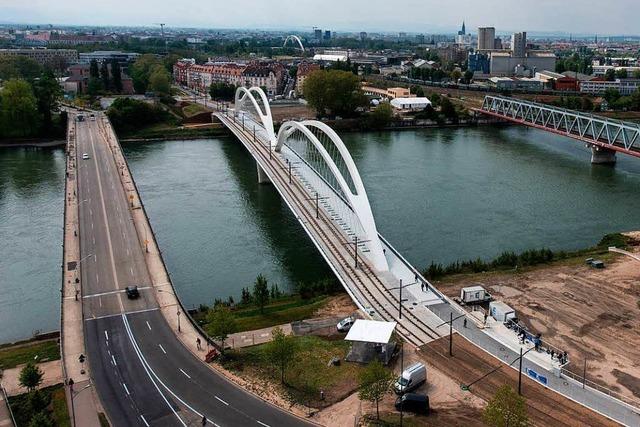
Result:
<point x="6" y="401"/>
<point x="633" y="402"/>
<point x="595" y="130"/>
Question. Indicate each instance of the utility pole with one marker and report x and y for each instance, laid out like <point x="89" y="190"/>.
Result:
<point x="355" y="254"/>
<point x="400" y="302"/>
<point x="520" y="375"/>
<point x="451" y="333"/>
<point x="401" y="371"/>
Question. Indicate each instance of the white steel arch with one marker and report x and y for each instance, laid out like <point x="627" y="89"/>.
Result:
<point x="243" y="95"/>
<point x="294" y="38"/>
<point x="357" y="199"/>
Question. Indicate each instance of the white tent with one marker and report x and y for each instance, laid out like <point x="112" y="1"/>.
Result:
<point x="371" y="331"/>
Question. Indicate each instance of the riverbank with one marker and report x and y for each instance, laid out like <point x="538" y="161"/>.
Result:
<point x="594" y="314"/>
<point x="42" y="143"/>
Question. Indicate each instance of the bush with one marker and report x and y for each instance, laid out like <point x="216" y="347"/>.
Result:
<point x="127" y="114"/>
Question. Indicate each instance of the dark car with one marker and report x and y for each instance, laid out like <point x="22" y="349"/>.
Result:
<point x="132" y="292"/>
<point x="413" y="402"/>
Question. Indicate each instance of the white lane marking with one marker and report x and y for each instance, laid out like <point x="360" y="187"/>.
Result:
<point x="144" y="421"/>
<point x="131" y="270"/>
<point x="97" y="279"/>
<point x="185" y="374"/>
<point x="125" y="388"/>
<point x="100" y="301"/>
<point x="120" y="314"/>
<point x="92" y="226"/>
<point x="101" y="294"/>
<point x="94" y="239"/>
<point x="221" y="400"/>
<point x="162" y="348"/>
<point x="148" y="369"/>
<point x="148" y="325"/>
<point x="113" y="359"/>
<point x="106" y="335"/>
<point x="90" y="211"/>
<point x="265" y="425"/>
<point x="128" y="253"/>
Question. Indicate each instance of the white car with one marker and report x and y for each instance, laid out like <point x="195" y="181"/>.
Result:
<point x="85" y="156"/>
<point x="345" y="324"/>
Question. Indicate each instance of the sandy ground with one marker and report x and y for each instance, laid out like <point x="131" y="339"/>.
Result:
<point x="592" y="314"/>
<point x="340" y="305"/>
<point x="52" y="375"/>
<point x="283" y="113"/>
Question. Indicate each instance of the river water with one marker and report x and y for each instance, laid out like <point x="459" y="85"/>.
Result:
<point x="437" y="195"/>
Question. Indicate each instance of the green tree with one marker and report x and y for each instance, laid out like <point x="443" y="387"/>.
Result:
<point x="468" y="76"/>
<point x="611" y="95"/>
<point x="281" y="351"/>
<point x="48" y="94"/>
<point x="222" y="323"/>
<point x="41" y="419"/>
<point x="104" y="75"/>
<point x="30" y="377"/>
<point x="116" y="73"/>
<point x="334" y="91"/>
<point x="19" y="109"/>
<point x="261" y="292"/>
<point x="636" y="74"/>
<point x="374" y="382"/>
<point x="381" y="116"/>
<point x="447" y="109"/>
<point x="19" y="67"/>
<point x="141" y="70"/>
<point x="128" y="114"/>
<point x="222" y="91"/>
<point x="610" y="75"/>
<point x="417" y="91"/>
<point x="621" y="73"/>
<point x="506" y="409"/>
<point x="160" y="81"/>
<point x="456" y="75"/>
<point x="94" y="71"/>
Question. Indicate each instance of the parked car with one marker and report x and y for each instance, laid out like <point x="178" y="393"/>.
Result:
<point x="345" y="324"/>
<point x="413" y="402"/>
<point x="93" y="117"/>
<point x="132" y="292"/>
<point x="85" y="156"/>
<point x="411" y="378"/>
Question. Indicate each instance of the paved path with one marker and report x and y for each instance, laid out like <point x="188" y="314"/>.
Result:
<point x="5" y="415"/>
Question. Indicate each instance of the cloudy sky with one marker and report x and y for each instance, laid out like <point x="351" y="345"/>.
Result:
<point x="570" y="16"/>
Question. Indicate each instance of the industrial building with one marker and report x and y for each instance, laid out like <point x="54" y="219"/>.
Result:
<point x="486" y="38"/>
<point x="44" y="56"/>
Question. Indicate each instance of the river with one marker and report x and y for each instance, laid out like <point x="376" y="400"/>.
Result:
<point x="437" y="195"/>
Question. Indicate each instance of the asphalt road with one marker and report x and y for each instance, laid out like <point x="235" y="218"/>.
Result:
<point x="143" y="375"/>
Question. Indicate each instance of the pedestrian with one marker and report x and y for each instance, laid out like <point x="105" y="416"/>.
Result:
<point x="204" y="420"/>
<point x="198" y="343"/>
<point x="422" y="286"/>
<point x="464" y="323"/>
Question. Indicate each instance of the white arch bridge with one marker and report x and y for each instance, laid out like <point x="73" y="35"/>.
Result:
<point x="309" y="165"/>
<point x="311" y="168"/>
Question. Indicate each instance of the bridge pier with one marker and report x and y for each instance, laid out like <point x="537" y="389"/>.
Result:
<point x="262" y="176"/>
<point x="602" y="156"/>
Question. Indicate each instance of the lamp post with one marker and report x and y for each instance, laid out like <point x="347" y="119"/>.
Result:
<point x="179" y="320"/>
<point x="73" y="397"/>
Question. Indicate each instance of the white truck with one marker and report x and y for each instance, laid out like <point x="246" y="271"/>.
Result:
<point x="410" y="379"/>
<point x="501" y="311"/>
<point x="474" y="295"/>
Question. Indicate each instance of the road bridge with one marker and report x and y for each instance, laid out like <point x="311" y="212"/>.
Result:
<point x="604" y="136"/>
<point x="312" y="170"/>
<point x="142" y="363"/>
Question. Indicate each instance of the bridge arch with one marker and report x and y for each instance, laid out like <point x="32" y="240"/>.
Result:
<point x="245" y="101"/>
<point x="295" y="39"/>
<point x="339" y="163"/>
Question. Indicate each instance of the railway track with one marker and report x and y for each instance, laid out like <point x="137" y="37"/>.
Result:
<point x="417" y="332"/>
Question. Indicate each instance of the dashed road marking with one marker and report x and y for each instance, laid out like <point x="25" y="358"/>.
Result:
<point x="185" y="374"/>
<point x="144" y="421"/>
<point x="106" y="335"/>
<point x="165" y="352"/>
<point x="126" y="389"/>
<point x="221" y="400"/>
<point x="148" y="325"/>
<point x="261" y="423"/>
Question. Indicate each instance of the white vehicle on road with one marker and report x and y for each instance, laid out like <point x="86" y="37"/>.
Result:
<point x="85" y="156"/>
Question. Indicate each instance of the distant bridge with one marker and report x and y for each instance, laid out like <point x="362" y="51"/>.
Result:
<point x="295" y="39"/>
<point x="604" y="136"/>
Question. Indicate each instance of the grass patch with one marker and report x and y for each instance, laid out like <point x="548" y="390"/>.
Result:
<point x="170" y="131"/>
<point x="10" y="357"/>
<point x="192" y="110"/>
<point x="51" y="400"/>
<point x="103" y="420"/>
<point x="308" y="374"/>
<point x="283" y="310"/>
<point x="390" y="419"/>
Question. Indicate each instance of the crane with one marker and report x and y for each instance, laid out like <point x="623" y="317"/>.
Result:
<point x="162" y="31"/>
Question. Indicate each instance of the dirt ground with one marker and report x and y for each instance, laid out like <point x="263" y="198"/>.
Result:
<point x="450" y="405"/>
<point x="340" y="305"/>
<point x="283" y="113"/>
<point x="592" y="314"/>
<point x="544" y="407"/>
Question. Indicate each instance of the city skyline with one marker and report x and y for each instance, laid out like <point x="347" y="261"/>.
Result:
<point x="357" y="15"/>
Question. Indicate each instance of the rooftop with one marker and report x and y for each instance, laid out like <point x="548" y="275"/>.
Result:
<point x="371" y="331"/>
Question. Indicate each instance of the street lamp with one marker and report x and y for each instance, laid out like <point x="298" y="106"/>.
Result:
<point x="178" y="312"/>
<point x="73" y="397"/>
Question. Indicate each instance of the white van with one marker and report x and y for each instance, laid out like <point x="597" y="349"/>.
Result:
<point x="411" y="378"/>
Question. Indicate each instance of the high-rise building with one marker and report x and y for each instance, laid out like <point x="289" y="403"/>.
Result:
<point x="327" y="35"/>
<point x="486" y="38"/>
<point x="497" y="44"/>
<point x="363" y="35"/>
<point x="519" y="44"/>
<point x="317" y="34"/>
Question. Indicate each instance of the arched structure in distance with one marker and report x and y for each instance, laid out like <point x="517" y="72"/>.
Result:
<point x="294" y="38"/>
<point x="355" y="193"/>
<point x="246" y="97"/>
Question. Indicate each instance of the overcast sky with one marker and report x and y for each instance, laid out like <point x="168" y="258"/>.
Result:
<point x="570" y="16"/>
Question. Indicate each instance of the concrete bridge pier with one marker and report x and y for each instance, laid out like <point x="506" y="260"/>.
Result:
<point x="602" y="156"/>
<point x="262" y="176"/>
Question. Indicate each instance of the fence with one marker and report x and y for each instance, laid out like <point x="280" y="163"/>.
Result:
<point x="566" y="373"/>
<point x="6" y="401"/>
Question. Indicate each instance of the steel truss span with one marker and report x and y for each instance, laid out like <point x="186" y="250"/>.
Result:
<point x="593" y="130"/>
